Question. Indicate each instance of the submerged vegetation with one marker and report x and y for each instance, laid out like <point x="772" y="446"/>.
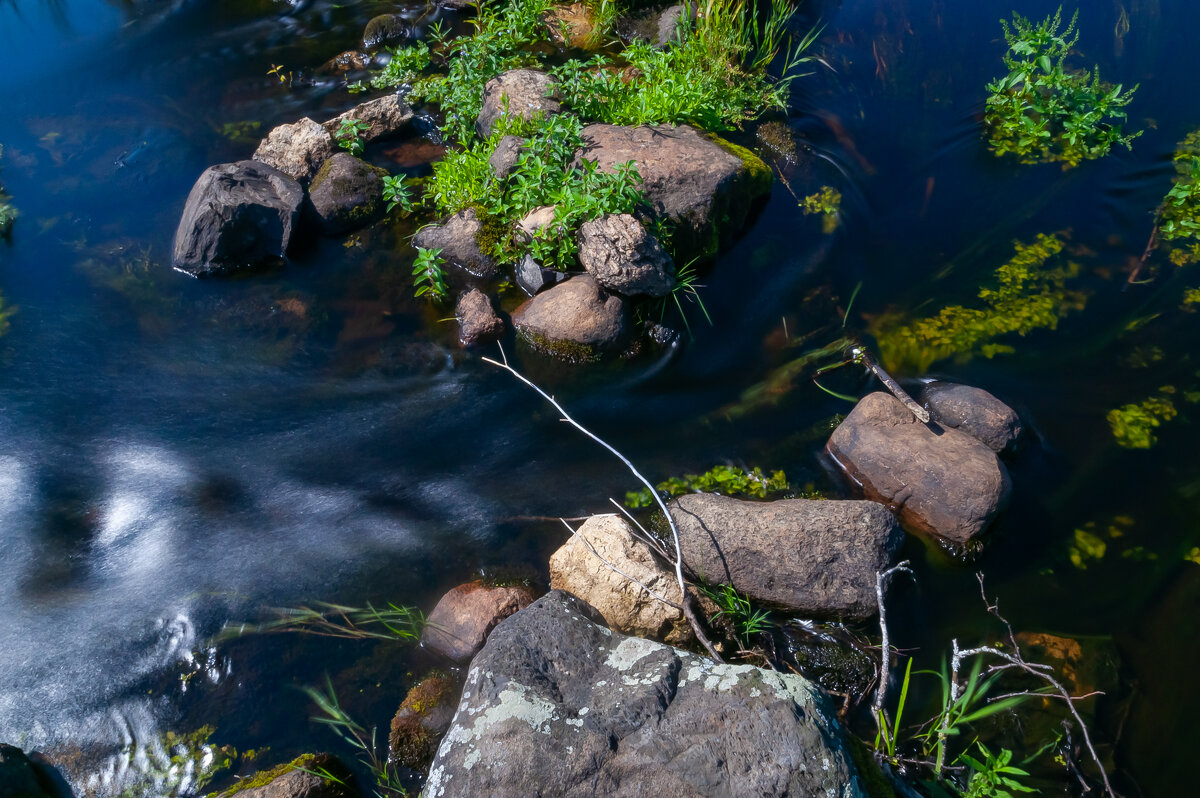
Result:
<point x="1133" y="425"/>
<point x="828" y="203"/>
<point x="1042" y="111"/>
<point x="1179" y="214"/>
<point x="724" y="479"/>
<point x="1026" y="294"/>
<point x="387" y="780"/>
<point x="8" y="214"/>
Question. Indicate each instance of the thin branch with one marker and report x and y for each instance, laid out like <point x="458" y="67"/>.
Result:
<point x="885" y="663"/>
<point x="617" y="570"/>
<point x="860" y="353"/>
<point x="644" y="537"/>
<point x="687" y="610"/>
<point x="1141" y="264"/>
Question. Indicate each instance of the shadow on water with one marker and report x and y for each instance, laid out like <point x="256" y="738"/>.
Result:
<point x="176" y="455"/>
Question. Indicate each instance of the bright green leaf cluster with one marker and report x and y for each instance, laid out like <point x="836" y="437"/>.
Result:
<point x="1179" y="214"/>
<point x="1027" y="295"/>
<point x="724" y="479"/>
<point x="994" y="776"/>
<point x="1133" y="425"/>
<point x="429" y="278"/>
<point x="349" y="136"/>
<point x="396" y="193"/>
<point x="1042" y="112"/>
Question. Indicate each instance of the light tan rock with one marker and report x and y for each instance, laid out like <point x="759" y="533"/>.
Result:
<point x="297" y="150"/>
<point x="626" y="607"/>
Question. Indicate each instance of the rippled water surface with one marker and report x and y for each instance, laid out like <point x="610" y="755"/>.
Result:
<point x="177" y="454"/>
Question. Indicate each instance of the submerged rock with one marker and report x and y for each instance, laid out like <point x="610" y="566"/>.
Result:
<point x="386" y="30"/>
<point x="297" y="150"/>
<point x="621" y="255"/>
<point x="462" y="619"/>
<point x="422" y="719"/>
<point x="238" y="216"/>
<point x="478" y="321"/>
<point x="18" y="778"/>
<point x="518" y="92"/>
<point x="459" y="238"/>
<point x="384" y="117"/>
<point x="297" y="779"/>
<point x="558" y="705"/>
<point x="703" y="184"/>
<point x="347" y="193"/>
<point x="815" y="557"/>
<point x="939" y="480"/>
<point x="973" y="411"/>
<point x="349" y="61"/>
<point x="576" y="320"/>
<point x="626" y="607"/>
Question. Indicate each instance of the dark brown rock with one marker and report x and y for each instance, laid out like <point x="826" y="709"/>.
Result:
<point x="459" y="240"/>
<point x="384" y="117"/>
<point x="814" y="557"/>
<point x="347" y="193"/>
<point x="939" y="480"/>
<point x="519" y="92"/>
<point x="18" y="778"/>
<point x="462" y="619"/>
<point x="576" y="320"/>
<point x="297" y="150"/>
<point x="349" y="61"/>
<point x="385" y="30"/>
<point x="975" y="412"/>
<point x="422" y="719"/>
<point x="237" y="216"/>
<point x="477" y="320"/>
<point x="622" y="256"/>
<point x="704" y="185"/>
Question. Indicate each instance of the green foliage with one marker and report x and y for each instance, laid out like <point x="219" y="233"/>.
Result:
<point x="349" y="135"/>
<point x="1133" y="424"/>
<point x="993" y="777"/>
<point x="724" y="479"/>
<point x="1179" y="214"/>
<point x="827" y="201"/>
<point x="396" y="193"/>
<point x="394" y="622"/>
<point x="686" y="289"/>
<point x="407" y="64"/>
<point x="746" y="619"/>
<point x="176" y="764"/>
<point x="1042" y="112"/>
<point x="429" y="279"/>
<point x="1027" y="295"/>
<point x="387" y="781"/>
<point x="714" y="76"/>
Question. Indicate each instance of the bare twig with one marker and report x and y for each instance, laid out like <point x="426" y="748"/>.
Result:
<point x="885" y="646"/>
<point x="1141" y="264"/>
<point x="587" y="543"/>
<point x="678" y="560"/>
<point x="861" y="354"/>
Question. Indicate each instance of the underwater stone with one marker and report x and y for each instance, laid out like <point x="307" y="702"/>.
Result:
<point x="18" y="778"/>
<point x="477" y="320"/>
<point x="385" y="30"/>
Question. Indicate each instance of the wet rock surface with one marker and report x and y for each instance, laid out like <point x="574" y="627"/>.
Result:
<point x="576" y="320"/>
<point x="463" y="617"/>
<point x="707" y="189"/>
<point x="298" y="779"/>
<point x="622" y="256"/>
<point x="519" y="92"/>
<point x="814" y="557"/>
<point x="973" y="411"/>
<point x="237" y="216"/>
<point x="297" y="150"/>
<point x="385" y="30"/>
<point x="478" y="321"/>
<point x="422" y="719"/>
<point x="458" y="239"/>
<point x="347" y="193"/>
<point x="556" y="704"/>
<point x="938" y="480"/>
<point x="384" y="117"/>
<point x="18" y="778"/>
<point x="625" y="606"/>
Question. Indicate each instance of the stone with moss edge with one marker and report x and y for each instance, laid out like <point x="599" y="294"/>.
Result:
<point x="576" y="320"/>
<point x="347" y="193"/>
<point x="465" y="239"/>
<point x="422" y="719"/>
<point x="296" y="779"/>
<point x="518" y="92"/>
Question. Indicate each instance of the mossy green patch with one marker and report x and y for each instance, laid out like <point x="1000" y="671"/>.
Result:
<point x="758" y="175"/>
<point x="310" y="763"/>
<point x="570" y="351"/>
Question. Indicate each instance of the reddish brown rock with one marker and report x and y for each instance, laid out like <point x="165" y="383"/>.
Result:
<point x="462" y="619"/>
<point x="478" y="321"/>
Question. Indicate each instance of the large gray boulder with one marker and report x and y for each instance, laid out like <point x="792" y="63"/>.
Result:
<point x="576" y="320"/>
<point x="238" y="216"/>
<point x="384" y="117"/>
<point x="622" y="256"/>
<point x="18" y="778"/>
<point x="519" y="92"/>
<point x="297" y="150"/>
<point x="704" y="185"/>
<point x="973" y="411"/>
<point x="815" y="557"/>
<point x="584" y="567"/>
<point x="556" y="704"/>
<point x="939" y="480"/>
<point x="459" y="238"/>
<point x="347" y="193"/>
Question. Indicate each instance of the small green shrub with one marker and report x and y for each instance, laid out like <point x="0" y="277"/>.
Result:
<point x="747" y="620"/>
<point x="1179" y="214"/>
<point x="1133" y="424"/>
<point x="349" y="136"/>
<point x="724" y="479"/>
<point x="407" y="65"/>
<point x="1042" y="112"/>
<point x="993" y="775"/>
<point x="1026" y="295"/>
<point x="429" y="278"/>
<point x="396" y="194"/>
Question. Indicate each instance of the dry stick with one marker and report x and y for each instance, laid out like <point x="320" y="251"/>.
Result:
<point x="1150" y="245"/>
<point x="617" y="570"/>
<point x="861" y="353"/>
<point x="885" y="646"/>
<point x="687" y="610"/>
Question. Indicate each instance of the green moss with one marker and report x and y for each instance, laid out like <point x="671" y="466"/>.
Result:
<point x="570" y="351"/>
<point x="723" y="479"/>
<point x="759" y="176"/>
<point x="410" y="742"/>
<point x="312" y="763"/>
<point x="494" y="234"/>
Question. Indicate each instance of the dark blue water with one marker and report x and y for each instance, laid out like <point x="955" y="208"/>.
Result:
<point x="177" y="454"/>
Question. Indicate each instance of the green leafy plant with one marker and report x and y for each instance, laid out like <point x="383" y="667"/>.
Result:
<point x="396" y="194"/>
<point x="724" y="479"/>
<point x="828" y="202"/>
<point x="349" y="135"/>
<point x="1133" y="425"/>
<point x="1179" y="214"/>
<point x="1041" y="111"/>
<point x="406" y="65"/>
<point x="429" y="279"/>
<point x="992" y="776"/>
<point x="8" y="213"/>
<point x="393" y="622"/>
<point x="1026" y="295"/>
<point x="387" y="781"/>
<point x="747" y="620"/>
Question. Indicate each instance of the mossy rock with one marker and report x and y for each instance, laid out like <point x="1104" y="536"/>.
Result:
<point x="422" y="719"/>
<point x="347" y="193"/>
<point x="300" y="777"/>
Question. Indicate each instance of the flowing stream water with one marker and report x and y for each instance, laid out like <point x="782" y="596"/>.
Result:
<point x="176" y="455"/>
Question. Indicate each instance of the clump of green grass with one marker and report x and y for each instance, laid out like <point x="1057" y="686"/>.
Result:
<point x="747" y="620"/>
<point x="394" y="622"/>
<point x="1042" y="111"/>
<point x="387" y="780"/>
<point x="724" y="479"/>
<point x="1026" y="294"/>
